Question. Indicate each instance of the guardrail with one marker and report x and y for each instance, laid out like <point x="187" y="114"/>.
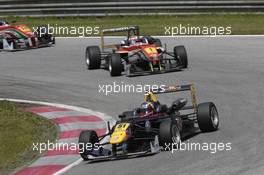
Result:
<point x="130" y="8"/>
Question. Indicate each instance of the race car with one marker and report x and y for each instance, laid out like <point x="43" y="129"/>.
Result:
<point x="151" y="127"/>
<point x="20" y="37"/>
<point x="135" y="55"/>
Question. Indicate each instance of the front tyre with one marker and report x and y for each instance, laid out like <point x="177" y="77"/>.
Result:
<point x="93" y="57"/>
<point x="207" y="117"/>
<point x="114" y="150"/>
<point x="181" y="55"/>
<point x="115" y="65"/>
<point x="86" y="139"/>
<point x="53" y="40"/>
<point x="169" y="133"/>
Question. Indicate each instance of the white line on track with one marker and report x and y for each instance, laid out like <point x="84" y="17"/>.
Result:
<point x="68" y="167"/>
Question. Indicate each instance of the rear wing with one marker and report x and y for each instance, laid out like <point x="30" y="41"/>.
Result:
<point x="131" y="30"/>
<point x="179" y="88"/>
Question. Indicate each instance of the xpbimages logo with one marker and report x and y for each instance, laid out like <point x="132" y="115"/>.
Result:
<point x="212" y="147"/>
<point x="51" y="146"/>
<point x="197" y="30"/>
<point x="128" y="88"/>
<point x="57" y="30"/>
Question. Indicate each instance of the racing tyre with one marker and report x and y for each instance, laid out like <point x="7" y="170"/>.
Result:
<point x="158" y="43"/>
<point x="152" y="40"/>
<point x="181" y="54"/>
<point x="53" y="40"/>
<point x="169" y="133"/>
<point x="15" y="45"/>
<point x="93" y="57"/>
<point x="42" y="31"/>
<point x="43" y="34"/>
<point x="207" y="117"/>
<point x="114" y="150"/>
<point x="86" y="138"/>
<point x="115" y="65"/>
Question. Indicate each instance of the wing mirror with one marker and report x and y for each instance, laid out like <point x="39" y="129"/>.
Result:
<point x="178" y="104"/>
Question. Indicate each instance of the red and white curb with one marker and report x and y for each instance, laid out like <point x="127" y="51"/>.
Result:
<point x="71" y="121"/>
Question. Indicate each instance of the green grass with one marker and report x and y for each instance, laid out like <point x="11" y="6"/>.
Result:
<point x="154" y="25"/>
<point x="18" y="131"/>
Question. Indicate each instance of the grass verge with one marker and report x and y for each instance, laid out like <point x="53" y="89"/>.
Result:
<point x="154" y="25"/>
<point x="18" y="131"/>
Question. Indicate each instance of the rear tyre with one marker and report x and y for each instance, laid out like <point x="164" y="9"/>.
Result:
<point x="181" y="55"/>
<point x="128" y="114"/>
<point x="93" y="57"/>
<point x="158" y="42"/>
<point x="115" y="65"/>
<point x="207" y="117"/>
<point x="152" y="40"/>
<point x="42" y="31"/>
<point x="43" y="34"/>
<point x="86" y="138"/>
<point x="169" y="133"/>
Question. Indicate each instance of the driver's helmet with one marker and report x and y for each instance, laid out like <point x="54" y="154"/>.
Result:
<point x="133" y="40"/>
<point x="150" y="97"/>
<point x="147" y="109"/>
<point x="124" y="42"/>
<point x="3" y="23"/>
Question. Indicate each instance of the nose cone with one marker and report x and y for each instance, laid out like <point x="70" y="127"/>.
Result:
<point x="120" y="133"/>
<point x="118" y="137"/>
<point x="151" y="53"/>
<point x="25" y="29"/>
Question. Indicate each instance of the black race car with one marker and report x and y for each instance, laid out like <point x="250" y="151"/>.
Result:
<point x="146" y="129"/>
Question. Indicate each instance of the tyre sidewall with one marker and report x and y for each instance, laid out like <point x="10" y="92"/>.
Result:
<point x="166" y="132"/>
<point x="181" y="55"/>
<point x="115" y="65"/>
<point x="93" y="57"/>
<point x="204" y="117"/>
<point x="85" y="138"/>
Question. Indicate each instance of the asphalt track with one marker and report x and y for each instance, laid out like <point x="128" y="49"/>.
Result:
<point x="228" y="71"/>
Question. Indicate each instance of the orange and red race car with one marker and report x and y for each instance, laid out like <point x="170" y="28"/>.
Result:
<point x="135" y="55"/>
<point x="20" y="37"/>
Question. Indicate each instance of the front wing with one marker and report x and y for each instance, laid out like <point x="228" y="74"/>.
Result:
<point x="154" y="149"/>
<point x="22" y="44"/>
<point x="140" y="72"/>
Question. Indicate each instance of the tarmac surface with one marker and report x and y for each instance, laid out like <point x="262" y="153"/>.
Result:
<point x="226" y="70"/>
